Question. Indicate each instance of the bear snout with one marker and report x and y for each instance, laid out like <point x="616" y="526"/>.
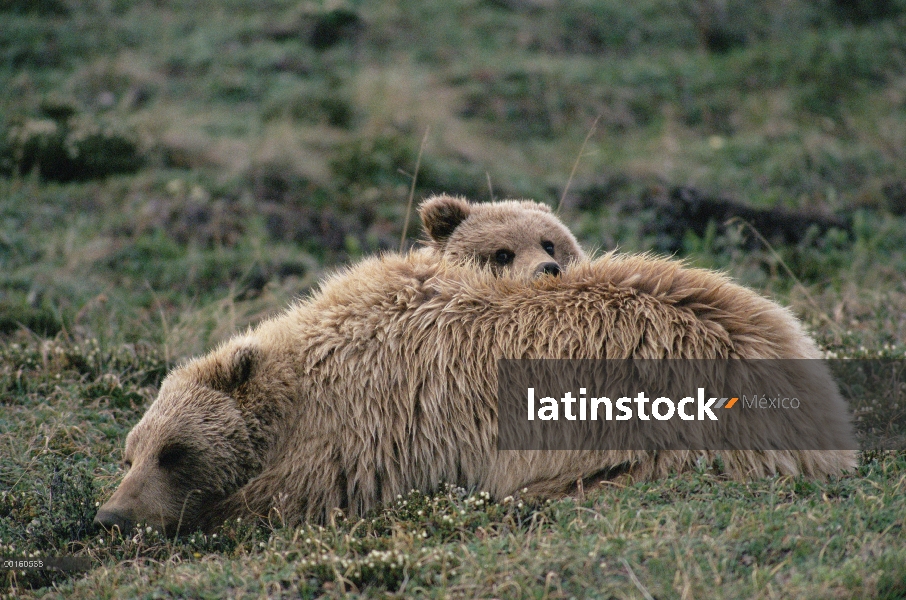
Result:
<point x="548" y="268"/>
<point x="108" y="519"/>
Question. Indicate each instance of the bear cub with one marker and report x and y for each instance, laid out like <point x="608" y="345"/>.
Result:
<point x="518" y="238"/>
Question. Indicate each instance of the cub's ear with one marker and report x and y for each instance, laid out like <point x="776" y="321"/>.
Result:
<point x="236" y="366"/>
<point x="441" y="215"/>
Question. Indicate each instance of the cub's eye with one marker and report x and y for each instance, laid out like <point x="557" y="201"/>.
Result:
<point x="127" y="464"/>
<point x="548" y="247"/>
<point x="503" y="257"/>
<point x="171" y="456"/>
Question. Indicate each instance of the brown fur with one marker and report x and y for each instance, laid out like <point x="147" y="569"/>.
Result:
<point x="519" y="229"/>
<point x="385" y="381"/>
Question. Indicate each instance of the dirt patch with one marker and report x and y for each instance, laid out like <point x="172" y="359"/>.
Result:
<point x="686" y="209"/>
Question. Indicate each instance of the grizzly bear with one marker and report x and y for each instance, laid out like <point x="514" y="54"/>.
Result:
<point x="385" y="381"/>
<point x="521" y="238"/>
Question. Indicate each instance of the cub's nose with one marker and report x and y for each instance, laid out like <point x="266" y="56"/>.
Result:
<point x="548" y="268"/>
<point x="109" y="519"/>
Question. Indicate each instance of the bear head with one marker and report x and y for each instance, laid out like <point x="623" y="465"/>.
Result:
<point x="519" y="238"/>
<point x="192" y="449"/>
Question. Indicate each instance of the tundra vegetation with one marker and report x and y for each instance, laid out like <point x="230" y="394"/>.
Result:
<point x="171" y="172"/>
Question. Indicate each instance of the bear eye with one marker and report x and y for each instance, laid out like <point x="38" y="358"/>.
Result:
<point x="171" y="456"/>
<point x="503" y="257"/>
<point x="548" y="247"/>
<point x="127" y="464"/>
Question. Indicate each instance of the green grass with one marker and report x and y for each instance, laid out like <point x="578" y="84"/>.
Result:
<point x="171" y="172"/>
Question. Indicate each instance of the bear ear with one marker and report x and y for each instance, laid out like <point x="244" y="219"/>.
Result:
<point x="441" y="215"/>
<point x="236" y="367"/>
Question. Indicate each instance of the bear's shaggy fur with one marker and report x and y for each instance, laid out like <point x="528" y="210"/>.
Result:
<point x="519" y="238"/>
<point x="385" y="381"/>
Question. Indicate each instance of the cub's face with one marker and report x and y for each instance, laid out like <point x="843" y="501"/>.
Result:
<point x="514" y="238"/>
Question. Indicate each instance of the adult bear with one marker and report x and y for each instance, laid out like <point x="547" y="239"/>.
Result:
<point x="385" y="381"/>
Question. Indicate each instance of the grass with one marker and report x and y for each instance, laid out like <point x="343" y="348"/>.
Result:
<point x="173" y="172"/>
